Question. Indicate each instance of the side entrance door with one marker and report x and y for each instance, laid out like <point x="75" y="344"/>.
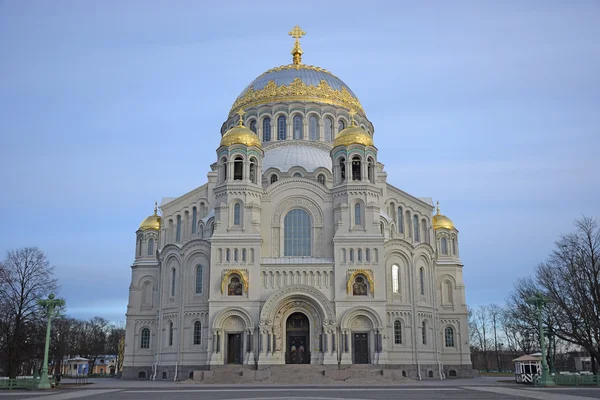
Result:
<point x="360" y="345"/>
<point x="234" y="348"/>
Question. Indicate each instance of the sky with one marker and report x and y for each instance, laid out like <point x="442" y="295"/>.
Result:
<point x="106" y="106"/>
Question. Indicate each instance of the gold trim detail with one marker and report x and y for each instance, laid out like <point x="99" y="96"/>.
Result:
<point x="297" y="67"/>
<point x="242" y="274"/>
<point x="367" y="273"/>
<point x="297" y="91"/>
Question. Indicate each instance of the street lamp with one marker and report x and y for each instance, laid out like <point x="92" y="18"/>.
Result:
<point x="50" y="306"/>
<point x="550" y="334"/>
<point x="539" y="301"/>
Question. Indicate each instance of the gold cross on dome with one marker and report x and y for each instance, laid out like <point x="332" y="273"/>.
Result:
<point x="297" y="33"/>
<point x="241" y="113"/>
<point x="352" y="114"/>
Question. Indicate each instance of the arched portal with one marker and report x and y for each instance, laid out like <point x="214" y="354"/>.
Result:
<point x="297" y="339"/>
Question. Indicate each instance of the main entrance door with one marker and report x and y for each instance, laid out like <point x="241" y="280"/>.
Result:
<point x="360" y="345"/>
<point x="234" y="348"/>
<point x="298" y="339"/>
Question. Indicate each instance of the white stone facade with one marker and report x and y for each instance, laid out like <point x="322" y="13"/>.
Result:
<point x="229" y="235"/>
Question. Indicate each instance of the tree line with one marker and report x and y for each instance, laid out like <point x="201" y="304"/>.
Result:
<point x="570" y="280"/>
<point x="26" y="276"/>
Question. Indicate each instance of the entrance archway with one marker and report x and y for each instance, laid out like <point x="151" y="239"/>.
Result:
<point x="297" y="328"/>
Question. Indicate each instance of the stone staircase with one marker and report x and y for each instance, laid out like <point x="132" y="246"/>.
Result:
<point x="300" y="374"/>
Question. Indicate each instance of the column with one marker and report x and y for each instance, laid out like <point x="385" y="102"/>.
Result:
<point x="304" y="129"/>
<point x="215" y="340"/>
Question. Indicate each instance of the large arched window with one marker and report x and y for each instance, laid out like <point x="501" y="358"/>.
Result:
<point x="273" y="179"/>
<point x="328" y="129"/>
<point x="199" y="278"/>
<point x="416" y="228"/>
<point x="397" y="332"/>
<point x="171" y="333"/>
<point x="173" y="281"/>
<point x="341" y="125"/>
<point x="444" y="245"/>
<point x="253" y="126"/>
<point x="297" y="127"/>
<point x="238" y="169"/>
<point x="449" y="336"/>
<point x="453" y="246"/>
<point x="145" y="339"/>
<point x="422" y="280"/>
<point x="178" y="230"/>
<point x="197" y="332"/>
<point x="297" y="233"/>
<point x="371" y="170"/>
<point x="395" y="279"/>
<point x="150" y="246"/>
<point x="357" y="216"/>
<point x="342" y="169"/>
<point x="321" y="179"/>
<point x="356" y="169"/>
<point x="237" y="212"/>
<point x="281" y="128"/>
<point x="313" y="133"/>
<point x="194" y="219"/>
<point x="267" y="130"/>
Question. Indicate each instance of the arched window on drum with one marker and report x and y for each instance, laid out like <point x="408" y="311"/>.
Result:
<point x="281" y="128"/>
<point x="297" y="127"/>
<point x="328" y="129"/>
<point x="313" y="126"/>
<point x="267" y="130"/>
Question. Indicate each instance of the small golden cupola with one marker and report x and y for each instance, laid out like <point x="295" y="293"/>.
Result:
<point x="153" y="221"/>
<point x="239" y="134"/>
<point x="441" y="221"/>
<point x="353" y="134"/>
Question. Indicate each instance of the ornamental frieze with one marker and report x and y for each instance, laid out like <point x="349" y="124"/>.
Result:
<point x="297" y="91"/>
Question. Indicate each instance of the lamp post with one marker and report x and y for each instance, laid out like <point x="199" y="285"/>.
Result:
<point x="49" y="305"/>
<point x="550" y="334"/>
<point x="539" y="301"/>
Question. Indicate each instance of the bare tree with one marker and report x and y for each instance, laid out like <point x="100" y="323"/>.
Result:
<point x="27" y="276"/>
<point x="116" y="334"/>
<point x="495" y="311"/>
<point x="571" y="279"/>
<point x="92" y="340"/>
<point x="479" y="329"/>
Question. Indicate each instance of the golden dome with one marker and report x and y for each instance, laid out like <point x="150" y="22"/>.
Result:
<point x="240" y="135"/>
<point x="353" y="135"/>
<point x="441" y="221"/>
<point x="151" y="222"/>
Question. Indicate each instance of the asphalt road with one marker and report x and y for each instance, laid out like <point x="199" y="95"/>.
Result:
<point x="310" y="393"/>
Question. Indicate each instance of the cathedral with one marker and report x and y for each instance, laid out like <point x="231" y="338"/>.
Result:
<point x="296" y="250"/>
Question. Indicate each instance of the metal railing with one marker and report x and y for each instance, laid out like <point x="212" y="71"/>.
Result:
<point x="576" y="380"/>
<point x="25" y="382"/>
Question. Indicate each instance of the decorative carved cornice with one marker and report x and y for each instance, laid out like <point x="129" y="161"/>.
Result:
<point x="297" y="91"/>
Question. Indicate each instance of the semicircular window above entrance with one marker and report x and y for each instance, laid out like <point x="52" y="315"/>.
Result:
<point x="296" y="234"/>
